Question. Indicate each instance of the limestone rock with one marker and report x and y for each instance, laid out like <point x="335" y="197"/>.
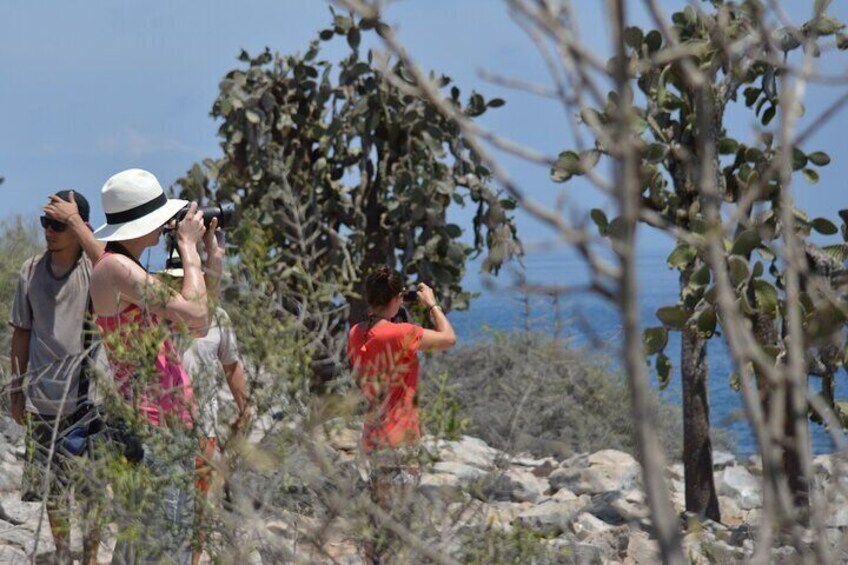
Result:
<point x="613" y="508"/>
<point x="674" y="472"/>
<point x="440" y="486"/>
<point x="468" y="450"/>
<point x="517" y="484"/>
<point x="722" y="459"/>
<point x="344" y="439"/>
<point x="642" y="549"/>
<point x="549" y="517"/>
<point x="586" y="525"/>
<point x="565" y="495"/>
<point x="539" y="467"/>
<point x="13" y="555"/>
<point x="739" y="483"/>
<point x="755" y="465"/>
<point x="465" y="474"/>
<point x="731" y="514"/>
<point x="836" y="514"/>
<point x="10" y="477"/>
<point x="604" y="471"/>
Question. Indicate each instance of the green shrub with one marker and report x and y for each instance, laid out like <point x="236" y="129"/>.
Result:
<point x="441" y="411"/>
<point x="528" y="392"/>
<point x="519" y="546"/>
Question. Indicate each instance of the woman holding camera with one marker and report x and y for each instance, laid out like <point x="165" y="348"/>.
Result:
<point x="384" y="357"/>
<point x="131" y="308"/>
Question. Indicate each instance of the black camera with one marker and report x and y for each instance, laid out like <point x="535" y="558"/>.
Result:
<point x="410" y="296"/>
<point x="224" y="211"/>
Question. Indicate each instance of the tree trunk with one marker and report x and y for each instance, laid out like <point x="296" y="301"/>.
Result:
<point x="701" y="496"/>
<point x="792" y="459"/>
<point x="377" y="248"/>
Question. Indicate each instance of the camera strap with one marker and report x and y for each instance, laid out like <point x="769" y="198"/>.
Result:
<point x="87" y="335"/>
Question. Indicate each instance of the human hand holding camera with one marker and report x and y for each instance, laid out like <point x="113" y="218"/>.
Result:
<point x="213" y="241"/>
<point x="426" y="297"/>
<point x="189" y="232"/>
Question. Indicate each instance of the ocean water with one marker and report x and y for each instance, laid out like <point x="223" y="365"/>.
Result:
<point x="588" y="321"/>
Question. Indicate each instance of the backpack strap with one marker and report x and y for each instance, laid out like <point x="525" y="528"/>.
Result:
<point x="87" y="334"/>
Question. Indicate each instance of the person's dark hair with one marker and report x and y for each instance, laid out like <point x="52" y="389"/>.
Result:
<point x="82" y="203"/>
<point x="382" y="285"/>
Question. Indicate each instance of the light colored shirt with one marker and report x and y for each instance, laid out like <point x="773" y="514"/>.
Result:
<point x="204" y="359"/>
<point x="53" y="309"/>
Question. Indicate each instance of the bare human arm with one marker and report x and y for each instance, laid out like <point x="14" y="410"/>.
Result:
<point x="120" y="280"/>
<point x="68" y="213"/>
<point x="19" y="357"/>
<point x="443" y="336"/>
<point x="213" y="239"/>
<point x="237" y="382"/>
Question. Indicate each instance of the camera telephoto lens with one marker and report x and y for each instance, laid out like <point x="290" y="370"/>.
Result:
<point x="224" y="211"/>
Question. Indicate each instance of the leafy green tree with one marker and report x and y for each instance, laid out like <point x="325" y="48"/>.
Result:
<point x="682" y="105"/>
<point x="348" y="169"/>
<point x="19" y="240"/>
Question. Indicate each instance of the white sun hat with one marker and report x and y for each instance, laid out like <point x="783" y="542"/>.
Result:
<point x="135" y="205"/>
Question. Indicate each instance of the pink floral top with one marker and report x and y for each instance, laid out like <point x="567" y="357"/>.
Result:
<point x="146" y="365"/>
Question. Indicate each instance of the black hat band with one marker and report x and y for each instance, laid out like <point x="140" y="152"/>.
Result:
<point x="138" y="212"/>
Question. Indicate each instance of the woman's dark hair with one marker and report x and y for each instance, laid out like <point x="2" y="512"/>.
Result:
<point x="382" y="285"/>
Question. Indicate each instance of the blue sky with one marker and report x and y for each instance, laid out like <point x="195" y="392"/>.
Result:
<point x="92" y="87"/>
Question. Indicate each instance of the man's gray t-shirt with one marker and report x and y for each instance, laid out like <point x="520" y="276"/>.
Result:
<point x="53" y="309"/>
<point x="203" y="360"/>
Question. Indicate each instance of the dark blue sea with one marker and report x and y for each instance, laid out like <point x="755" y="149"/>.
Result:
<point x="587" y="321"/>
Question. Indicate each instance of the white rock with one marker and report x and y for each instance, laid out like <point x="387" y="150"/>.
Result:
<point x="525" y="486"/>
<point x="629" y="510"/>
<point x="527" y="460"/>
<point x="731" y="514"/>
<point x="586" y="525"/>
<point x="612" y="457"/>
<point x="607" y="470"/>
<point x="613" y="508"/>
<point x="549" y="517"/>
<point x="738" y="483"/>
<point x="13" y="555"/>
<point x="836" y="510"/>
<point x="693" y="550"/>
<point x="678" y="500"/>
<point x="722" y="459"/>
<point x="465" y="474"/>
<point x="468" y="450"/>
<point x="674" y="472"/>
<point x="642" y="549"/>
<point x="10" y="477"/>
<point x="344" y="439"/>
<point x="500" y="515"/>
<point x="440" y="486"/>
<point x="822" y="466"/>
<point x="565" y="495"/>
<point x="755" y="465"/>
<point x="636" y="496"/>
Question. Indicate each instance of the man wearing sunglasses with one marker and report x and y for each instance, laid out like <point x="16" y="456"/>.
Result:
<point x="47" y="319"/>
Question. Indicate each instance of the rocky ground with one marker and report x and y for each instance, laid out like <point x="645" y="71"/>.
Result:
<point x="585" y="509"/>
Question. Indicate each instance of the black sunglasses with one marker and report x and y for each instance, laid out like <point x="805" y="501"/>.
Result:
<point x="54" y="225"/>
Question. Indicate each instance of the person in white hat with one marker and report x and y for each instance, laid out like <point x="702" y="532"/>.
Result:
<point x="132" y="308"/>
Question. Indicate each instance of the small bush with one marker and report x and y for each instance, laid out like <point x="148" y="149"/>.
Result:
<point x="517" y="546"/>
<point x="528" y="392"/>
